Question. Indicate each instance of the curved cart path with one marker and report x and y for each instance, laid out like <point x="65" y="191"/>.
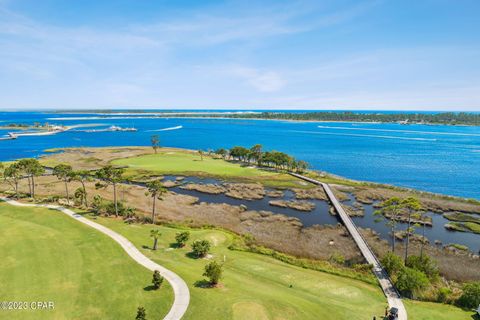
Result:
<point x="180" y="289"/>
<point x="391" y="293"/>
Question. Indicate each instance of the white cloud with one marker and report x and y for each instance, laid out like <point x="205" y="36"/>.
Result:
<point x="263" y="81"/>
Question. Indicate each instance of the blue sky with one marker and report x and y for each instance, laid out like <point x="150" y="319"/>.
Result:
<point x="402" y="55"/>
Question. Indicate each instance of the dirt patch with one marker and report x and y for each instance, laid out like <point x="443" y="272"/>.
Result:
<point x="170" y="184"/>
<point x="354" y="211"/>
<point x="316" y="193"/>
<point x="205" y="188"/>
<point x="296" y="205"/>
<point x="275" y="193"/>
<point x="245" y="191"/>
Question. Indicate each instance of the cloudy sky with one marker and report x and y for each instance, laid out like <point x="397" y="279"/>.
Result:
<point x="402" y="55"/>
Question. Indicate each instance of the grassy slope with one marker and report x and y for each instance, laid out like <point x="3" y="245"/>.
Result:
<point x="256" y="286"/>
<point x="47" y="256"/>
<point x="188" y="163"/>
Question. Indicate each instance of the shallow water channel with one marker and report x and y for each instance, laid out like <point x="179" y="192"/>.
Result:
<point x="320" y="215"/>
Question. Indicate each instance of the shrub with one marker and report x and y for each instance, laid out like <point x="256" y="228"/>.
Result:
<point x="141" y="314"/>
<point x="337" y="258"/>
<point x="425" y="264"/>
<point x="470" y="297"/>
<point x="201" y="247"/>
<point x="249" y="239"/>
<point x="443" y="295"/>
<point x="98" y="205"/>
<point x="411" y="282"/>
<point x="213" y="271"/>
<point x="157" y="280"/>
<point x="392" y="263"/>
<point x="182" y="238"/>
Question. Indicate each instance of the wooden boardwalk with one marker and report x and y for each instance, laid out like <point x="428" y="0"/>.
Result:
<point x="391" y="293"/>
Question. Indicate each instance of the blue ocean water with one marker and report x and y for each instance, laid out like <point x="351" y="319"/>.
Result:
<point x="435" y="158"/>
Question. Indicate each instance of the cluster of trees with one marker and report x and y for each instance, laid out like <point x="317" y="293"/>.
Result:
<point x="106" y="176"/>
<point x="256" y="155"/>
<point x="441" y="118"/>
<point x="25" y="168"/>
<point x="413" y="276"/>
<point x="395" y="208"/>
<point x="418" y="273"/>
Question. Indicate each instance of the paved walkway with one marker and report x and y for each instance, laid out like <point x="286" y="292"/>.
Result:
<point x="393" y="297"/>
<point x="180" y="289"/>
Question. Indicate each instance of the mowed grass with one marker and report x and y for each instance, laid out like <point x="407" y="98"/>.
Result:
<point x="436" y="311"/>
<point x="254" y="286"/>
<point x="48" y="256"/>
<point x="189" y="163"/>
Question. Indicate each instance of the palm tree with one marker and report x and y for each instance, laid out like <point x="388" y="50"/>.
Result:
<point x="64" y="173"/>
<point x="112" y="176"/>
<point x="391" y="209"/>
<point x="82" y="176"/>
<point x="155" y="190"/>
<point x="155" y="234"/>
<point x="413" y="207"/>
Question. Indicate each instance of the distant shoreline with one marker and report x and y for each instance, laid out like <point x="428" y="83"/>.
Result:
<point x="405" y="118"/>
<point x="120" y="117"/>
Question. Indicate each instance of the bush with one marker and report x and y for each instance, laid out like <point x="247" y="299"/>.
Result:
<point x="425" y="264"/>
<point x="470" y="297"/>
<point x="249" y="239"/>
<point x="337" y="258"/>
<point x="411" y="282"/>
<point x="201" y="247"/>
<point x="213" y="271"/>
<point x="182" y="238"/>
<point x="98" y="205"/>
<point x="443" y="295"/>
<point x="141" y="314"/>
<point x="392" y="263"/>
<point x="157" y="280"/>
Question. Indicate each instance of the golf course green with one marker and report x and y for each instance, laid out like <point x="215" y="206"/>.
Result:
<point x="49" y="257"/>
<point x="191" y="164"/>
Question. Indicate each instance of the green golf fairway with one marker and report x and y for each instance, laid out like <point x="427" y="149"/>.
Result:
<point x="260" y="287"/>
<point x="188" y="163"/>
<point x="254" y="286"/>
<point x="48" y="256"/>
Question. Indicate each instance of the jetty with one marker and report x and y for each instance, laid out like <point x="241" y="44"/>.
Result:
<point x="112" y="129"/>
<point x="391" y="293"/>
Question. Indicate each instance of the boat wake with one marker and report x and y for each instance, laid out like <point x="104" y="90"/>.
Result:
<point x="166" y="129"/>
<point x="402" y="131"/>
<point x="365" y="135"/>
